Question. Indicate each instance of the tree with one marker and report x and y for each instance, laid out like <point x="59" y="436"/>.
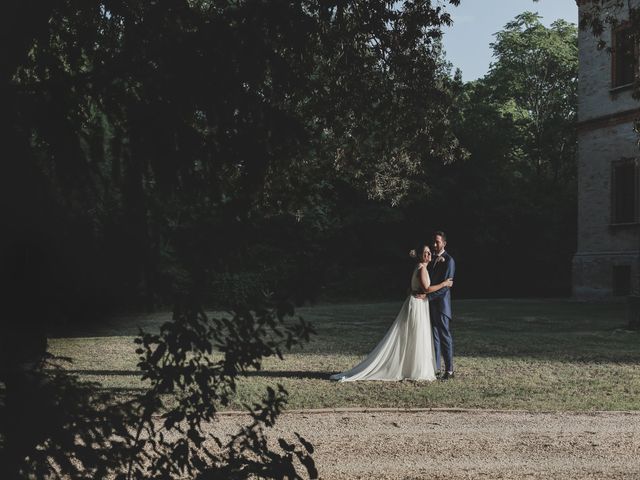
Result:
<point x="520" y="194"/>
<point x="535" y="77"/>
<point x="149" y="141"/>
<point x="226" y="114"/>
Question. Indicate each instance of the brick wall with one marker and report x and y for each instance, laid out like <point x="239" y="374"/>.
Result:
<point x="605" y="135"/>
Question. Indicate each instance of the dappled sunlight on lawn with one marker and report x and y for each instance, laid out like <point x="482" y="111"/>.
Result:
<point x="529" y="354"/>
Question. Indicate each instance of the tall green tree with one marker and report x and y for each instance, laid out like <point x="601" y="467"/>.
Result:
<point x="515" y="216"/>
<point x="145" y="121"/>
<point x="534" y="77"/>
<point x="148" y="144"/>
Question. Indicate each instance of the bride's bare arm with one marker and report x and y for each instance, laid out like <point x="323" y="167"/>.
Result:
<point x="425" y="281"/>
<point x="434" y="288"/>
<point x="425" y="284"/>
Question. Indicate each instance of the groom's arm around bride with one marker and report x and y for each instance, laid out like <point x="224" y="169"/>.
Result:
<point x="443" y="267"/>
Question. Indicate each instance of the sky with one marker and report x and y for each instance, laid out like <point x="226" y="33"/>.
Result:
<point x="475" y="21"/>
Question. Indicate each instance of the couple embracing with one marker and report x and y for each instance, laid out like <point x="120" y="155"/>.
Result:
<point x="420" y="335"/>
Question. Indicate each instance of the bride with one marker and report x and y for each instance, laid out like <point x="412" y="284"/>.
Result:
<point x="406" y="351"/>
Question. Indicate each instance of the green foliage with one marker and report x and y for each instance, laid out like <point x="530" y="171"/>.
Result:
<point x="161" y="136"/>
<point x="600" y="15"/>
<point x="516" y="209"/>
<point x="535" y="78"/>
<point x="155" y="146"/>
<point x="509" y="208"/>
<point x="53" y="424"/>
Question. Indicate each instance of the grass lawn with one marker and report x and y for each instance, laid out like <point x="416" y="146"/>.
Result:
<point x="536" y="355"/>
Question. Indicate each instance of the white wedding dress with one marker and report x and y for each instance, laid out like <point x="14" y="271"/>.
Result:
<point x="406" y="351"/>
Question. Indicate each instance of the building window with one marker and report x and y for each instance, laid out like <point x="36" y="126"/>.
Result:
<point x="624" y="192"/>
<point x="624" y="57"/>
<point x="621" y="280"/>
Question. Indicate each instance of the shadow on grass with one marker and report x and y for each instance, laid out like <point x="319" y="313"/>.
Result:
<point x="260" y="373"/>
<point x="290" y="374"/>
<point x="557" y="330"/>
<point x="542" y="329"/>
<point x="124" y="373"/>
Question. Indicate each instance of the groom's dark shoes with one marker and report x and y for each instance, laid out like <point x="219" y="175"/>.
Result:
<point x="448" y="376"/>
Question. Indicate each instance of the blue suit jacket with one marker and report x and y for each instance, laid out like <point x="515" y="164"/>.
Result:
<point x="440" y="301"/>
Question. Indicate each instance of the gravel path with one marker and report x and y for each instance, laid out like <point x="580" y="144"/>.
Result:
<point x="451" y="445"/>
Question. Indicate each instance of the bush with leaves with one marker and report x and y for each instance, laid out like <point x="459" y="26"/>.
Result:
<point x="54" y="426"/>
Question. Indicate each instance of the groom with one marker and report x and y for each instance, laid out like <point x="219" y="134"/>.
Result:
<point x="441" y="267"/>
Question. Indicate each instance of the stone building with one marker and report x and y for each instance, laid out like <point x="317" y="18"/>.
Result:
<point x="607" y="261"/>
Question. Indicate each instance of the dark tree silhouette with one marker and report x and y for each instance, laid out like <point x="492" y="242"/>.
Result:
<point x="148" y="144"/>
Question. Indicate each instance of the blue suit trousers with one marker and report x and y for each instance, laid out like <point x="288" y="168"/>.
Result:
<point x="442" y="341"/>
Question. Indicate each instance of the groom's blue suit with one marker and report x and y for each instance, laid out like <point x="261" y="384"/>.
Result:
<point x="440" y="310"/>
